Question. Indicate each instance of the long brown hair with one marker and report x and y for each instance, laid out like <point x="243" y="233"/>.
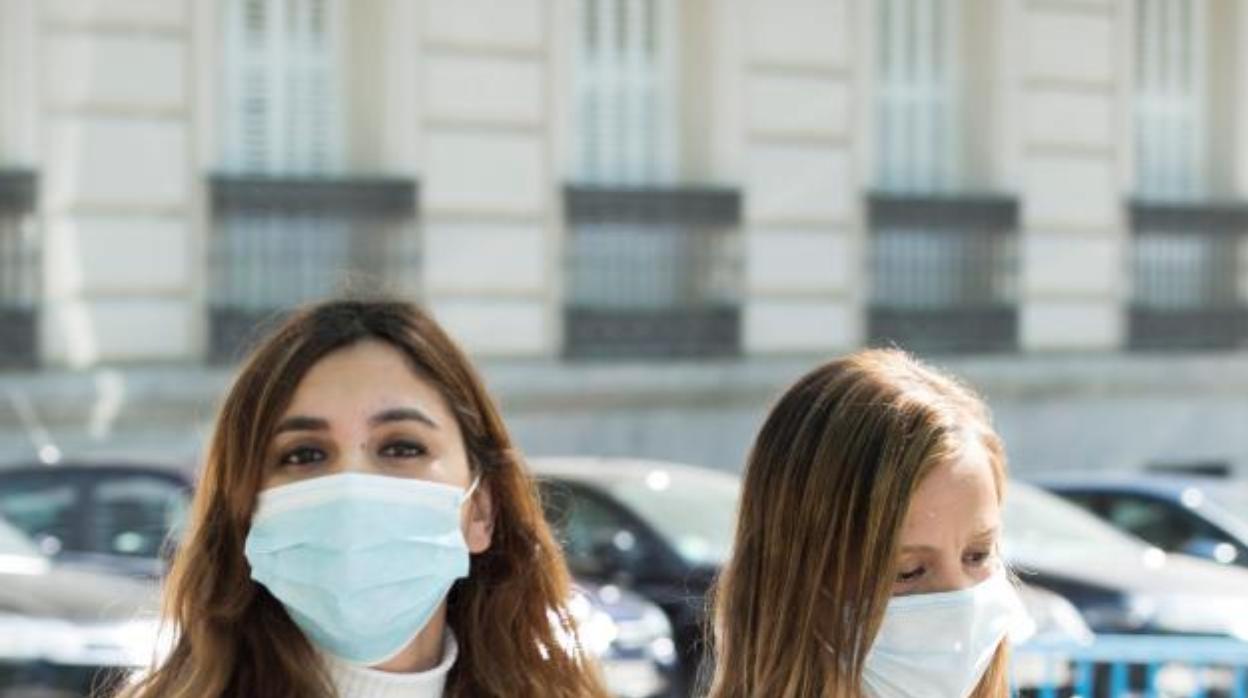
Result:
<point x="827" y="488"/>
<point x="234" y="639"/>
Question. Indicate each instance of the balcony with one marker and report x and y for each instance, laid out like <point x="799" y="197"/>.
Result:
<point x="1188" y="276"/>
<point x="652" y="273"/>
<point x="278" y="242"/>
<point x="21" y="280"/>
<point x="944" y="272"/>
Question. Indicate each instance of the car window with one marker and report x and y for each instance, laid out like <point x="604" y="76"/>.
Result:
<point x="697" y="517"/>
<point x="134" y="515"/>
<point x="595" y="536"/>
<point x="44" y="509"/>
<point x="1036" y="520"/>
<point x="1161" y="523"/>
<point x="13" y="542"/>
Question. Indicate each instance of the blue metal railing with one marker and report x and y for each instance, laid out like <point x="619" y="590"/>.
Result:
<point x="1134" y="665"/>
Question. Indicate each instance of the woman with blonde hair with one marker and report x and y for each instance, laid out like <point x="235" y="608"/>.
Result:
<point x="866" y="556"/>
<point x="363" y="528"/>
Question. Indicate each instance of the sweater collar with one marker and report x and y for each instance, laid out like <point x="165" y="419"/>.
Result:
<point x="352" y="681"/>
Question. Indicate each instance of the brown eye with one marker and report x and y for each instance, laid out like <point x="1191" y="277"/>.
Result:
<point x="910" y="576"/>
<point x="403" y="449"/>
<point x="978" y="559"/>
<point x="302" y="456"/>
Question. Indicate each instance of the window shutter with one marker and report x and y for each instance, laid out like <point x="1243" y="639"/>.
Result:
<point x="1171" y="69"/>
<point x="283" y="94"/>
<point x="626" y="91"/>
<point x="917" y="136"/>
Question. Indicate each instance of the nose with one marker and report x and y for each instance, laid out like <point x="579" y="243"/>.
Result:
<point x="356" y="459"/>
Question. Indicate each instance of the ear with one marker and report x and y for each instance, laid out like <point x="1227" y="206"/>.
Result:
<point x="479" y="524"/>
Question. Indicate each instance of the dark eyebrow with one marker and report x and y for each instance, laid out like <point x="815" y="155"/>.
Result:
<point x="402" y="414"/>
<point x="299" y="423"/>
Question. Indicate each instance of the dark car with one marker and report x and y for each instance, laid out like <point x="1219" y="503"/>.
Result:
<point x="116" y="518"/>
<point x="660" y="529"/>
<point x="1119" y="583"/>
<point x="1205" y="517"/>
<point x="65" y="630"/>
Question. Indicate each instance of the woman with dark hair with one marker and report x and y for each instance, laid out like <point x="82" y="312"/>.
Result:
<point x="364" y="528"/>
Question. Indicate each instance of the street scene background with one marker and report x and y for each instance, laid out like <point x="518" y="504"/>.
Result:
<point x="643" y="219"/>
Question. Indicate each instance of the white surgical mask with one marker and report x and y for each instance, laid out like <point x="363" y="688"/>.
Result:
<point x="940" y="645"/>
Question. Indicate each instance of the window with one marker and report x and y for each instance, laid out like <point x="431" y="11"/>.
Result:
<point x="626" y="91"/>
<point x="917" y="106"/>
<point x="1171" y="68"/>
<point x="653" y="262"/>
<point x="44" y="510"/>
<point x="944" y="273"/>
<point x="653" y="273"/>
<point x="283" y="86"/>
<point x="295" y="220"/>
<point x="1190" y="249"/>
<point x="944" y="256"/>
<point x="1162" y="523"/>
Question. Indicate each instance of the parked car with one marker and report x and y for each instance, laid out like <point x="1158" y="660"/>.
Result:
<point x="660" y="529"/>
<point x="64" y="630"/>
<point x="1119" y="583"/>
<point x="1200" y="516"/>
<point x="111" y="517"/>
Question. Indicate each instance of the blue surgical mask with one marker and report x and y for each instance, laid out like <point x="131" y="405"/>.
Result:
<point x="361" y="562"/>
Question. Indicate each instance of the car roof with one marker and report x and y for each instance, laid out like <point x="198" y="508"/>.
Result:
<point x="608" y="470"/>
<point x="1164" y="485"/>
<point x="92" y="470"/>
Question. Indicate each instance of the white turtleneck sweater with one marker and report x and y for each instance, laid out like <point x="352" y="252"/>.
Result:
<point x="353" y="681"/>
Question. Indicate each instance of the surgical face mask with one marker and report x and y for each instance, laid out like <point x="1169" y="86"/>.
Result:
<point x="361" y="562"/>
<point x="940" y="645"/>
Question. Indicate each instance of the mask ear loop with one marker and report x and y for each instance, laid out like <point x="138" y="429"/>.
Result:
<point x="471" y="489"/>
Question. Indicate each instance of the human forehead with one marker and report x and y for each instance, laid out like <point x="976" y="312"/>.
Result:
<point x="364" y="377"/>
<point x="957" y="500"/>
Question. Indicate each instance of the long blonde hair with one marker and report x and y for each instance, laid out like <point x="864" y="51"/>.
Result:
<point x="826" y="491"/>
<point x="235" y="639"/>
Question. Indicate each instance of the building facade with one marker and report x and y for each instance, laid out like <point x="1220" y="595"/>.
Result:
<point x="644" y="217"/>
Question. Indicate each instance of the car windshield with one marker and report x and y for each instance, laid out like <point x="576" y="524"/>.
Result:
<point x="694" y="511"/>
<point x="14" y="543"/>
<point x="119" y="514"/>
<point x="1037" y="520"/>
<point x="1233" y="497"/>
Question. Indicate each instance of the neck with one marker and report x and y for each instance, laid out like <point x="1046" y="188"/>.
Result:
<point x="424" y="652"/>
